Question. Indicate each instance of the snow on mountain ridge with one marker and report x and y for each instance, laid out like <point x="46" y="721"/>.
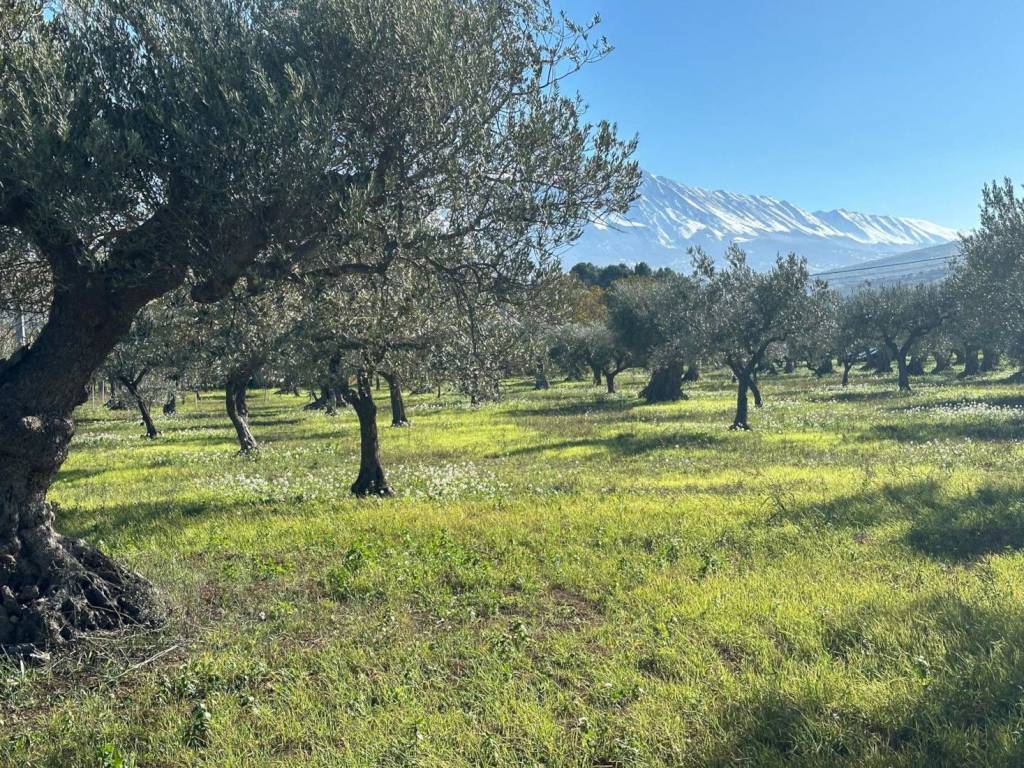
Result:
<point x="669" y="217"/>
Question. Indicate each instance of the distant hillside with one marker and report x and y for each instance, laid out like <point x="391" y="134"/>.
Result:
<point x="670" y="217"/>
<point x="925" y="265"/>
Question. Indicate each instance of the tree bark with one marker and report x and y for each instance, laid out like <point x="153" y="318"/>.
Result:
<point x="371" y="480"/>
<point x="904" y="372"/>
<point x="666" y="384"/>
<point x="609" y="378"/>
<point x="541" y="378"/>
<point x="743" y="385"/>
<point x="238" y="408"/>
<point x="882" y="362"/>
<point x="755" y="390"/>
<point x="916" y="366"/>
<point x="790" y="366"/>
<point x="133" y="389"/>
<point x="847" y="365"/>
<point x="941" y="362"/>
<point x="398" y="417"/>
<point x="52" y="588"/>
<point x="825" y="367"/>
<point x="171" y="406"/>
<point x="989" y="360"/>
<point x="692" y="374"/>
<point x="328" y="401"/>
<point x="972" y="366"/>
<point x="596" y="371"/>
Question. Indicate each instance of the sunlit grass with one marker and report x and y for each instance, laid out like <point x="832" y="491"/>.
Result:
<point x="566" y="578"/>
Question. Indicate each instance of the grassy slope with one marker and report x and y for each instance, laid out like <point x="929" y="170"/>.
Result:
<point x="568" y="578"/>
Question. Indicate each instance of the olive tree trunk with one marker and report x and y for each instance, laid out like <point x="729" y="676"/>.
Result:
<point x="53" y="587"/>
<point x="742" y="387"/>
<point x="609" y="378"/>
<point x="989" y="360"/>
<point x="238" y="408"/>
<point x="398" y="417"/>
<point x="972" y="365"/>
<point x="371" y="480"/>
<point x="903" y="380"/>
<point x="941" y="362"/>
<point x="755" y="390"/>
<point x="847" y="365"/>
<point x="666" y="384"/>
<point x="132" y="387"/>
<point x="540" y="379"/>
<point x="171" y="406"/>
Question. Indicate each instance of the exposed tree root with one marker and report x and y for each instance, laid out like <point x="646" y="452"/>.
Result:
<point x="56" y="588"/>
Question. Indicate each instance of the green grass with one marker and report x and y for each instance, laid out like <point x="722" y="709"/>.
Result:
<point x="567" y="578"/>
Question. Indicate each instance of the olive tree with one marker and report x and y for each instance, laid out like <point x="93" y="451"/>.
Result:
<point x="750" y="311"/>
<point x="142" y="147"/>
<point x="659" y="321"/>
<point x="593" y="346"/>
<point x="988" y="277"/>
<point x="144" y="357"/>
<point x="148" y="146"/>
<point x="899" y="318"/>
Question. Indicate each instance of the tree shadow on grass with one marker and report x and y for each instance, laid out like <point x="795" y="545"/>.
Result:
<point x="149" y="518"/>
<point x="611" y="405"/>
<point x="998" y="401"/>
<point x="963" y="663"/>
<point x="269" y="421"/>
<point x="622" y="444"/>
<point x="856" y="511"/>
<point x="74" y="475"/>
<point x="961" y="528"/>
<point x="856" y="396"/>
<point x="923" y="432"/>
<point x="989" y="521"/>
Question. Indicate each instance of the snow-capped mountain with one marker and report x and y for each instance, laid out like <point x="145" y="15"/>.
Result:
<point x="670" y="217"/>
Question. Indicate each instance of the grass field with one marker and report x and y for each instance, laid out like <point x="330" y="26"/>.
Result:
<point x="566" y="578"/>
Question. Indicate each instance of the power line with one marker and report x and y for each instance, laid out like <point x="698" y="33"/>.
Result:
<point x="883" y="266"/>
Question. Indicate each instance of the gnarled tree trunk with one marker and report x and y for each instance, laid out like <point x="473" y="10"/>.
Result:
<point x="743" y="385"/>
<point x="540" y="380"/>
<point x="882" y="361"/>
<point x="398" y="417"/>
<point x="989" y="360"/>
<point x="847" y="365"/>
<point x="596" y="371"/>
<point x="916" y="365"/>
<point x="371" y="480"/>
<point x="904" y="372"/>
<point x="53" y="587"/>
<point x="666" y="384"/>
<point x="972" y="366"/>
<point x="692" y="374"/>
<point x="171" y="406"/>
<point x="755" y="390"/>
<point x="941" y="362"/>
<point x="238" y="407"/>
<point x="609" y="378"/>
<point x="132" y="387"/>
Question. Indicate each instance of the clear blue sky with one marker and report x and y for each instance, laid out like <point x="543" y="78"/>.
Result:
<point x="904" y="107"/>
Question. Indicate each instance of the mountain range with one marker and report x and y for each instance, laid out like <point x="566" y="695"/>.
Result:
<point x="670" y="217"/>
